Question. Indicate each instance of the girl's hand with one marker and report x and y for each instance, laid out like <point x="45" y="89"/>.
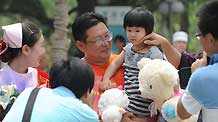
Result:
<point x="127" y="117"/>
<point x="106" y="84"/>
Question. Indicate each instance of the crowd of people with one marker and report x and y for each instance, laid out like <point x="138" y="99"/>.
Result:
<point x="73" y="88"/>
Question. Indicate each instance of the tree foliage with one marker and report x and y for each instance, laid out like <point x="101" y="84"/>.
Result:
<point x="42" y="12"/>
<point x="26" y="8"/>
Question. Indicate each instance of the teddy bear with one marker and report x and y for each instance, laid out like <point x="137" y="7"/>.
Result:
<point x="159" y="81"/>
<point x="112" y="104"/>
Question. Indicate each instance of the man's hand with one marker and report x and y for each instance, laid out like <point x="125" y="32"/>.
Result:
<point x="199" y="62"/>
<point x="154" y="39"/>
<point x="127" y="117"/>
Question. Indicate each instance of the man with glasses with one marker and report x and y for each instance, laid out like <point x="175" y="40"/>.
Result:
<point x="203" y="82"/>
<point x="202" y="87"/>
<point x="94" y="39"/>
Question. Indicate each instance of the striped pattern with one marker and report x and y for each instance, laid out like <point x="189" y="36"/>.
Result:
<point x="138" y="105"/>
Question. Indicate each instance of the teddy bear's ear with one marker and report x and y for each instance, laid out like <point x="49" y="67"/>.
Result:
<point x="170" y="79"/>
<point x="169" y="74"/>
<point x="143" y="62"/>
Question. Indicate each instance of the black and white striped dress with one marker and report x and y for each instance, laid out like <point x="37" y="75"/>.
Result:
<point x="138" y="105"/>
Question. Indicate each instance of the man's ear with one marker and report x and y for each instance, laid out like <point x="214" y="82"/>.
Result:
<point x="25" y="49"/>
<point x="211" y="39"/>
<point x="88" y="98"/>
<point x="80" y="45"/>
<point x="87" y="94"/>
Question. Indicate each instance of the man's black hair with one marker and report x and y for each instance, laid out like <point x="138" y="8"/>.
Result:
<point x="208" y="19"/>
<point x="74" y="74"/>
<point x="85" y="22"/>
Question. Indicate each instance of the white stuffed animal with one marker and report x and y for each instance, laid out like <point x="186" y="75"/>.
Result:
<point x="111" y="105"/>
<point x="157" y="81"/>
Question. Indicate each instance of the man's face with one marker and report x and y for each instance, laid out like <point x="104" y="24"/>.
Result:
<point x="180" y="46"/>
<point x="207" y="45"/>
<point x="98" y="51"/>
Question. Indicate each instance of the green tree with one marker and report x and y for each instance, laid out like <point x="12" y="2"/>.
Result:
<point x="25" y="9"/>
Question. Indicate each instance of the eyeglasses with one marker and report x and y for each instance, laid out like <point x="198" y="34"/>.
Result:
<point x="101" y="40"/>
<point x="198" y="35"/>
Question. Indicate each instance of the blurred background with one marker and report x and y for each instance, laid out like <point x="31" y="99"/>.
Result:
<point x="55" y="17"/>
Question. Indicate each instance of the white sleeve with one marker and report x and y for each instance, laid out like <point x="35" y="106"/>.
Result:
<point x="191" y="105"/>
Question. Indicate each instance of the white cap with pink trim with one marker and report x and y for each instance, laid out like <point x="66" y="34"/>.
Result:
<point x="180" y="36"/>
<point x="13" y="35"/>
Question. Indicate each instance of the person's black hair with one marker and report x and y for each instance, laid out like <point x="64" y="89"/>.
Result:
<point x="208" y="19"/>
<point x="119" y="38"/>
<point x="30" y="35"/>
<point x="73" y="74"/>
<point x="139" y="17"/>
<point x="85" y="22"/>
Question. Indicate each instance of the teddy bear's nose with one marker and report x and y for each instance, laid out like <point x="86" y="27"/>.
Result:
<point x="150" y="86"/>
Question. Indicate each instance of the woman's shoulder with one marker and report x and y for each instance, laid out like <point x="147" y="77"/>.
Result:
<point x="5" y="74"/>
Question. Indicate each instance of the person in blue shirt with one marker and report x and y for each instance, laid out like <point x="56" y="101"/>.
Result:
<point x="71" y="82"/>
<point x="200" y="94"/>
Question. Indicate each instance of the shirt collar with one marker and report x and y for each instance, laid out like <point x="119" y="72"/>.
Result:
<point x="63" y="91"/>
<point x="28" y="74"/>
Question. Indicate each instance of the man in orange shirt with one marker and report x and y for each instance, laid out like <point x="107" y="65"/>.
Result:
<point x="43" y="78"/>
<point x="94" y="39"/>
